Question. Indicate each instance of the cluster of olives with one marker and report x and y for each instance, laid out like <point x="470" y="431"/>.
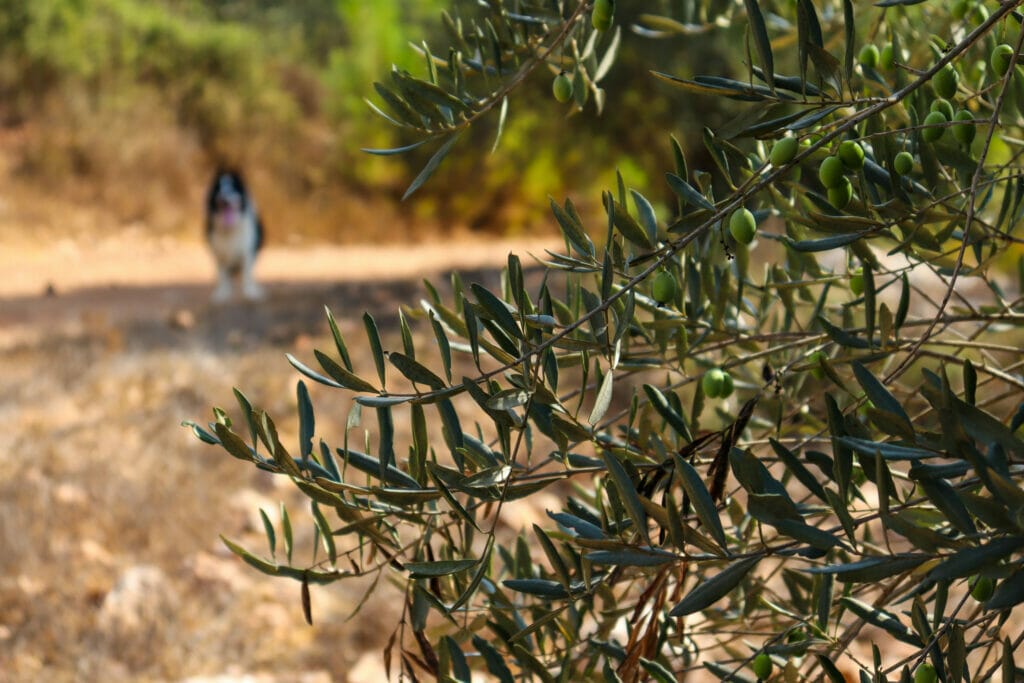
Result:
<point x="942" y="112"/>
<point x="601" y="19"/>
<point x="601" y="16"/>
<point x="969" y="9"/>
<point x="831" y="172"/>
<point x="717" y="383"/>
<point x="870" y="57"/>
<point x="941" y="115"/>
<point x="944" y="84"/>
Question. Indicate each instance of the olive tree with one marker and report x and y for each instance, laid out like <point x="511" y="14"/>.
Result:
<point x="780" y="411"/>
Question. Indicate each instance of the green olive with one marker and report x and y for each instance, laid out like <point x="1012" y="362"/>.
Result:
<point x="561" y="87"/>
<point x="727" y="386"/>
<point x="816" y="359"/>
<point x="664" y="288"/>
<point x="933" y="132"/>
<point x="1000" y="58"/>
<point x="982" y="588"/>
<point x="783" y="151"/>
<point x="868" y="56"/>
<point x="943" y="105"/>
<point x="976" y="71"/>
<point x="925" y="673"/>
<point x="903" y="163"/>
<point x="830" y="173"/>
<point x="851" y="154"/>
<point x="840" y="195"/>
<point x="944" y="82"/>
<point x="743" y="226"/>
<point x="887" y="57"/>
<point x="959" y="9"/>
<point x="979" y="15"/>
<point x="713" y="382"/>
<point x="964" y="132"/>
<point x="601" y="16"/>
<point x="857" y="282"/>
<point x="762" y="666"/>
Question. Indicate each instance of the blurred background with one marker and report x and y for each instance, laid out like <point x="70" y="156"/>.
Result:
<point x="113" y="115"/>
<point x="122" y="108"/>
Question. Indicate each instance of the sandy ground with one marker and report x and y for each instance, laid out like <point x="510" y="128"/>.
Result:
<point x="111" y="262"/>
<point x="126" y="277"/>
<point x="110" y="511"/>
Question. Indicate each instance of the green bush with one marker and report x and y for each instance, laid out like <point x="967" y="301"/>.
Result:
<point x="833" y="508"/>
<point x="216" y="80"/>
<point x="122" y="40"/>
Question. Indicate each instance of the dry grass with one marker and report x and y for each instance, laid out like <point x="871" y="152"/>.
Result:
<point x="100" y="480"/>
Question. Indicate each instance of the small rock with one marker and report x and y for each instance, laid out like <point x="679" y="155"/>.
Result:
<point x="368" y="669"/>
<point x="71" y="494"/>
<point x="31" y="586"/>
<point x="227" y="571"/>
<point x="182" y="319"/>
<point x="235" y="339"/>
<point x="95" y="553"/>
<point x="140" y="598"/>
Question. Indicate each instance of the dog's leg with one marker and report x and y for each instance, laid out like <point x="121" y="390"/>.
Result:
<point x="224" y="287"/>
<point x="250" y="289"/>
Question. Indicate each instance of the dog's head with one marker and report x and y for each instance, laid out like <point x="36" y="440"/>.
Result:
<point x="227" y="198"/>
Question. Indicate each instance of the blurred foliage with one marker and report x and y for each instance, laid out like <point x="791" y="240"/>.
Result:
<point x="93" y="80"/>
<point x="279" y="89"/>
<point x="779" y="415"/>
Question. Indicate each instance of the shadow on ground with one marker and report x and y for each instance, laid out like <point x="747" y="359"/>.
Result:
<point x="175" y="315"/>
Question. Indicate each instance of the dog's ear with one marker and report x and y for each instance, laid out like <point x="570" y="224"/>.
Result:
<point x="236" y="178"/>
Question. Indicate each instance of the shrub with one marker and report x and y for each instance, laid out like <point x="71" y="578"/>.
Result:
<point x="834" y="512"/>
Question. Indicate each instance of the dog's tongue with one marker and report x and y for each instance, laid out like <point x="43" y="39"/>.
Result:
<point x="230" y="215"/>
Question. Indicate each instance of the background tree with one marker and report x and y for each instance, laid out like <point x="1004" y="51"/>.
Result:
<point x="782" y="413"/>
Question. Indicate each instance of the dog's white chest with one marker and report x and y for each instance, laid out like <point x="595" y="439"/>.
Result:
<point x="233" y="238"/>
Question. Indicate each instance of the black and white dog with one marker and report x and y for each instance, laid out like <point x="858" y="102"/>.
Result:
<point x="235" y="235"/>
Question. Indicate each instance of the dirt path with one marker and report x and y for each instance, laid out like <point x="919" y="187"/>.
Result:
<point x="71" y="289"/>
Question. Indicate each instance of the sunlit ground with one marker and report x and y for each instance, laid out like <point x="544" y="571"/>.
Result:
<point x="110" y="511"/>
